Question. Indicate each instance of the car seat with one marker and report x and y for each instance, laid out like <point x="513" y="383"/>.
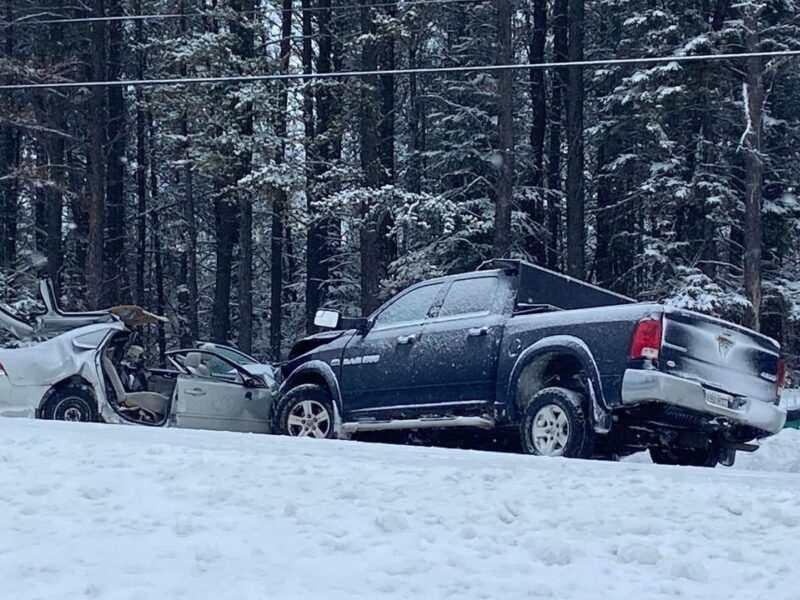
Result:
<point x="196" y="365"/>
<point x="151" y="402"/>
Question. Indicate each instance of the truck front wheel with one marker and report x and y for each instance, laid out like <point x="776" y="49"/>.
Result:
<point x="555" y="423"/>
<point x="305" y="411"/>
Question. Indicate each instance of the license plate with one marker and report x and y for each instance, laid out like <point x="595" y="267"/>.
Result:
<point x="718" y="399"/>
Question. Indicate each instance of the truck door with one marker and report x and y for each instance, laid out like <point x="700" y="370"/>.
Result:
<point x="377" y="368"/>
<point x="456" y="357"/>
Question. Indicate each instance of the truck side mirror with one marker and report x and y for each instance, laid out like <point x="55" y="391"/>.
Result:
<point x="328" y="319"/>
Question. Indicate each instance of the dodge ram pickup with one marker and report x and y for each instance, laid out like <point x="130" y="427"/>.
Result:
<point x="573" y="369"/>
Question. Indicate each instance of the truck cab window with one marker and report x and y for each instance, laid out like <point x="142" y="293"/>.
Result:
<point x="412" y="307"/>
<point x="469" y="296"/>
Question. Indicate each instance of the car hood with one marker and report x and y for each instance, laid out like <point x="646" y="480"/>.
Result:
<point x="307" y="344"/>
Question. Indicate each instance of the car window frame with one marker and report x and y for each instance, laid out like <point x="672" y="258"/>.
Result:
<point x="438" y="317"/>
<point x="442" y="285"/>
<point x="241" y="373"/>
<point x="219" y="348"/>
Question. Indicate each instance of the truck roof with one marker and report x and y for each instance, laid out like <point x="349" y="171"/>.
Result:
<point x="542" y="287"/>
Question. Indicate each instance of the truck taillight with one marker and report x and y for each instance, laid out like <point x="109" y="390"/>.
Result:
<point x="2" y="369"/>
<point x="646" y="341"/>
<point x="781" y="375"/>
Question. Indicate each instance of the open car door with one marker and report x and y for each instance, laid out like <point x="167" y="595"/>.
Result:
<point x="233" y="401"/>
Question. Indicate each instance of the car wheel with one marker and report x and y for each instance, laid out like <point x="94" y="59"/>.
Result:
<point x="71" y="403"/>
<point x="555" y="423"/>
<point x="686" y="457"/>
<point x="306" y="411"/>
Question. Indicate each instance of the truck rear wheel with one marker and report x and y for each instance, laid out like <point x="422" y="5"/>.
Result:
<point x="555" y="423"/>
<point x="687" y="457"/>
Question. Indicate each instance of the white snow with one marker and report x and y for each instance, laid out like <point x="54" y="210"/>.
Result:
<point x="100" y="511"/>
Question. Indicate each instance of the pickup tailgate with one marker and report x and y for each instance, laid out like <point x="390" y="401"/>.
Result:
<point x="720" y="355"/>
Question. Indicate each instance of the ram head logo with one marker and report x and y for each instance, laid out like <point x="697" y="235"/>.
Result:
<point x="725" y="345"/>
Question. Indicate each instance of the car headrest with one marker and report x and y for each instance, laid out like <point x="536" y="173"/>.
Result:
<point x="193" y="360"/>
<point x="135" y="352"/>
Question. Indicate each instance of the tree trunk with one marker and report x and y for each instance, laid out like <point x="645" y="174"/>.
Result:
<point x="606" y="220"/>
<point x="190" y="329"/>
<point x="575" y="158"/>
<point x="538" y="127"/>
<point x="95" y="158"/>
<point x="377" y="165"/>
<point x="158" y="270"/>
<point x="245" y="279"/>
<point x="554" y="144"/>
<point x="280" y="199"/>
<point x="9" y="153"/>
<point x="505" y="130"/>
<point x="754" y="167"/>
<point x="370" y="166"/>
<point x="316" y="269"/>
<point x="141" y="165"/>
<point x="245" y="338"/>
<point x="116" y="281"/>
<point x="225" y="228"/>
<point x="386" y="125"/>
<point x="415" y="122"/>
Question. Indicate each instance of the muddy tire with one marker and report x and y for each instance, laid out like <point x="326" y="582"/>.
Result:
<point x="306" y="411"/>
<point x="556" y="423"/>
<point x="73" y="402"/>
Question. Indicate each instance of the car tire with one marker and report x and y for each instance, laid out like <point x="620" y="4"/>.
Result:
<point x="686" y="457"/>
<point x="556" y="423"/>
<point x="74" y="403"/>
<point x="306" y="411"/>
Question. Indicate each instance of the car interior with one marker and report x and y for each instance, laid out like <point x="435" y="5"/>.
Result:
<point x="136" y="393"/>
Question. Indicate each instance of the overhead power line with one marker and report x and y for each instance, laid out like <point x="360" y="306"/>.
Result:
<point x="420" y="71"/>
<point x="28" y="21"/>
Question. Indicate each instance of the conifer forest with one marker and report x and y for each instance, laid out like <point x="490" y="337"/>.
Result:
<point x="237" y="204"/>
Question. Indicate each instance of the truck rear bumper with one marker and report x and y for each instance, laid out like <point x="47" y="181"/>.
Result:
<point x="639" y="386"/>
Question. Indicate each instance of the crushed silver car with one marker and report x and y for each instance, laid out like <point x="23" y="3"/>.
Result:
<point x="94" y="373"/>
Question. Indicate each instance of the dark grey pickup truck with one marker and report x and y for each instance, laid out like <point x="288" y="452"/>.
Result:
<point x="576" y="370"/>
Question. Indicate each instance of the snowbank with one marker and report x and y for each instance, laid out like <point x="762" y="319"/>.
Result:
<point x="93" y="511"/>
<point x="780" y="453"/>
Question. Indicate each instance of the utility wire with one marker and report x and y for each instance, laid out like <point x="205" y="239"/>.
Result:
<point x="26" y="21"/>
<point x="420" y="71"/>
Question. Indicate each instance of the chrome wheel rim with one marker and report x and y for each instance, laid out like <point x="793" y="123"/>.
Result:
<point x="550" y="430"/>
<point x="309" y="418"/>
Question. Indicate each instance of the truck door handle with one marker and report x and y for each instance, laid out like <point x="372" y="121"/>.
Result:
<point x="478" y="331"/>
<point x="195" y="392"/>
<point x="407" y="339"/>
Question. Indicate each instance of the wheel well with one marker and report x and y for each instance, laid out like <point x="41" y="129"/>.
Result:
<point x="311" y="377"/>
<point x="550" y="369"/>
<point x="74" y="380"/>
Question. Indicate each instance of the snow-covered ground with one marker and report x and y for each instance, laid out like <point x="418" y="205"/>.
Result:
<point x="93" y="511"/>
